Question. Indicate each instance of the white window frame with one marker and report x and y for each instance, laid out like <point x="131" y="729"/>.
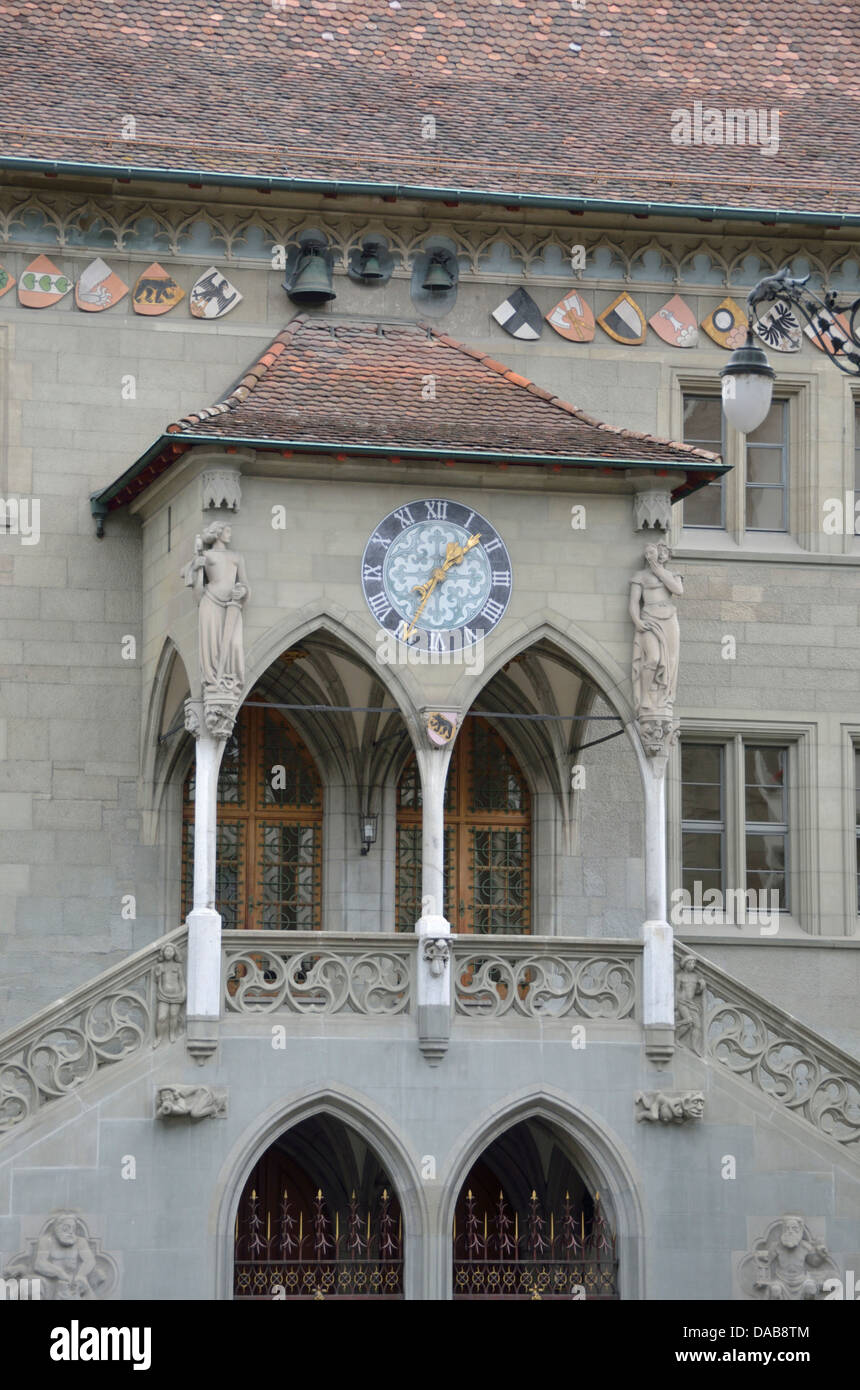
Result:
<point x="802" y="917"/>
<point x="803" y="524"/>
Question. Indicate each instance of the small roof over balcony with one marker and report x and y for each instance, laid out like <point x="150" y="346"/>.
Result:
<point x="405" y="391"/>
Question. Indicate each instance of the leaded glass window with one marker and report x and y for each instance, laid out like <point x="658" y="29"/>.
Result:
<point x="269" y="853"/>
<point x="487" y="838"/>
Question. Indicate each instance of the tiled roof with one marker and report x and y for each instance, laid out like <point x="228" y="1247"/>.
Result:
<point x="395" y="389"/>
<point x="364" y="385"/>
<point x="543" y="97"/>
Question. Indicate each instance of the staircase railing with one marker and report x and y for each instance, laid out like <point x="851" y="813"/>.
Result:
<point x="721" y="1020"/>
<point x="102" y="1022"/>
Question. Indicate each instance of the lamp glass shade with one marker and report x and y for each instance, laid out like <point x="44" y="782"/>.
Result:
<point x="746" y="399"/>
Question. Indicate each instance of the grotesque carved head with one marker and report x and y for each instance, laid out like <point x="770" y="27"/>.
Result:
<point x="694" y="1105"/>
<point x="792" y="1230"/>
<point x="66" y="1229"/>
<point x="218" y="531"/>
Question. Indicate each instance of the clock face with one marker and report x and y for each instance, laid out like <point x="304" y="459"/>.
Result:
<point x="434" y="568"/>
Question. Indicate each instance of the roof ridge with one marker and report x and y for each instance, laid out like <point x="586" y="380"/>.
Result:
<point x="526" y="384"/>
<point x="252" y="376"/>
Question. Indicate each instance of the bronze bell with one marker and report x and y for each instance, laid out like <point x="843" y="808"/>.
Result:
<point x="370" y="269"/>
<point x="312" y="282"/>
<point x="438" y="277"/>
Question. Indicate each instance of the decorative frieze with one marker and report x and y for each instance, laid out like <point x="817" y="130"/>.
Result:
<point x="491" y="983"/>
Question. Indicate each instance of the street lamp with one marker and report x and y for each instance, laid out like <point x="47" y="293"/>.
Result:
<point x="748" y="376"/>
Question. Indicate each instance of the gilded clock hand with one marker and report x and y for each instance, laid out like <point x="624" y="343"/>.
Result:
<point x="454" y="554"/>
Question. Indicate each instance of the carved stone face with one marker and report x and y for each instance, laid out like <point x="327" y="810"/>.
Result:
<point x="226" y="533"/>
<point x="792" y="1231"/>
<point x="663" y="552"/>
<point x="695" y="1107"/>
<point x="651" y="552"/>
<point x="64" y="1230"/>
<point x="169" y="952"/>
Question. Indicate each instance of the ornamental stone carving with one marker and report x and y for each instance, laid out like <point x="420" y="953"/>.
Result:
<point x="68" y="1262"/>
<point x="656" y="648"/>
<point x="195" y="1102"/>
<point x="169" y="995"/>
<point x="689" y="1004"/>
<point x="667" y="1108"/>
<point x="786" y="1264"/>
<point x="436" y="953"/>
<point x="216" y="575"/>
<point x="652" y="510"/>
<point x="221" y="487"/>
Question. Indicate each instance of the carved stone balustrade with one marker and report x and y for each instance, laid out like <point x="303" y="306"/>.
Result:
<point x="318" y="973"/>
<point x="546" y="978"/>
<point x="134" y="1005"/>
<point x="719" y="1019"/>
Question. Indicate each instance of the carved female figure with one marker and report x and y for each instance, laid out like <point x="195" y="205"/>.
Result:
<point x="220" y="586"/>
<point x="657" y="639"/>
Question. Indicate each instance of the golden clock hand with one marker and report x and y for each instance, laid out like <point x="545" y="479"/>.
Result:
<point x="453" y="556"/>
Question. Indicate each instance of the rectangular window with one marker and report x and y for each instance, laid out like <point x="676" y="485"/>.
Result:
<point x="704" y="427"/>
<point x="856" y="462"/>
<point x="767" y="472"/>
<point x="702" y="817"/>
<point x="732" y="848"/>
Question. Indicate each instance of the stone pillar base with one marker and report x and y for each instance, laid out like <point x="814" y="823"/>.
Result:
<point x="659" y="1044"/>
<point x="201" y="1038"/>
<point x="433" y="987"/>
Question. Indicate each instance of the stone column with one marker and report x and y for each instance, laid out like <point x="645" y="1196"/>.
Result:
<point x="658" y="968"/>
<point x="204" y="923"/>
<point x="656" y="652"/>
<point x="433" y="964"/>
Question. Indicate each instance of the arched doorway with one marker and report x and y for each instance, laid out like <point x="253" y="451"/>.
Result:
<point x="318" y="1218"/>
<point x="269" y="846"/>
<point x="487" y="837"/>
<point x="527" y="1224"/>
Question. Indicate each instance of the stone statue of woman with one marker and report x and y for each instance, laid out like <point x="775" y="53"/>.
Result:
<point x="220" y="586"/>
<point x="656" y="641"/>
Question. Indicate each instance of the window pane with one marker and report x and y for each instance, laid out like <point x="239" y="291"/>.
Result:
<point x="703" y="421"/>
<point x="765" y="784"/>
<point x="701" y="773"/>
<point x="772" y="428"/>
<point x="765" y="509"/>
<point x="701" y="762"/>
<point x="707" y="879"/>
<point x="700" y="803"/>
<point x="701" y="850"/>
<point x="705" y="507"/>
<point x="764" y="464"/>
<point x="766" y="865"/>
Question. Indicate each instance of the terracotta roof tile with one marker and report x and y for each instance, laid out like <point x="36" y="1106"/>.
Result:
<point x="264" y="93"/>
<point x="352" y="384"/>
